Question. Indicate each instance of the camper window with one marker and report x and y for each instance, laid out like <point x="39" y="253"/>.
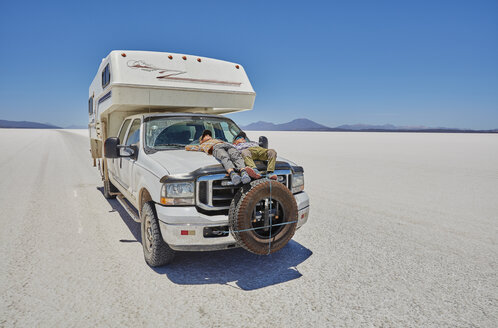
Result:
<point x="106" y="76"/>
<point x="90" y="106"/>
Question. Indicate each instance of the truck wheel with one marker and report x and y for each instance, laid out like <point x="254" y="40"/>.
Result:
<point x="260" y="223"/>
<point x="108" y="188"/>
<point x="156" y="251"/>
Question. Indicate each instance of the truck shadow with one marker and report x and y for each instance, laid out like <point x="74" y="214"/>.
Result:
<point x="234" y="267"/>
<point x="130" y="223"/>
<point x="237" y="267"/>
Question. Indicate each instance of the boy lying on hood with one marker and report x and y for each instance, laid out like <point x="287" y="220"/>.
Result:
<point x="252" y="151"/>
<point x="226" y="153"/>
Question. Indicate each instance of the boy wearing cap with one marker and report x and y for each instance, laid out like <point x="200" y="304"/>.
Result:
<point x="226" y="153"/>
<point x="252" y="151"/>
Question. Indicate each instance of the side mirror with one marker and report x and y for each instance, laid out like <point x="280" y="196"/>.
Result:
<point x="263" y="142"/>
<point x="111" y="147"/>
<point x="134" y="149"/>
<point x="128" y="151"/>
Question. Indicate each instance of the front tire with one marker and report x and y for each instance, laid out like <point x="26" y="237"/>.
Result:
<point x="156" y="251"/>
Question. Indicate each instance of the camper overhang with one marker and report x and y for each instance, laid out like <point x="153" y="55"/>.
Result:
<point x="154" y="81"/>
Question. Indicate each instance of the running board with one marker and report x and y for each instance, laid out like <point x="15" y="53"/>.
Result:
<point x="129" y="209"/>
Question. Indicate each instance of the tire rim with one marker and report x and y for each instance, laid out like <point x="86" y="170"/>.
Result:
<point x="266" y="213"/>
<point x="148" y="234"/>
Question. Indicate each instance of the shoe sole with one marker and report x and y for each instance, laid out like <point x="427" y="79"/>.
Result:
<point x="252" y="174"/>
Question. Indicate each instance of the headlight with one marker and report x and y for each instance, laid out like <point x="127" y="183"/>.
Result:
<point x="178" y="193"/>
<point x="297" y="182"/>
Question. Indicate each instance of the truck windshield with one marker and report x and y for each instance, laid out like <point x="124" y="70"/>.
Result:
<point x="174" y="132"/>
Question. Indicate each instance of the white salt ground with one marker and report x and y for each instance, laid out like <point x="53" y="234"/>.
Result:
<point x="403" y="232"/>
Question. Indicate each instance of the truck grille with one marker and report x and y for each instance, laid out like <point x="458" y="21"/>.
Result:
<point x="215" y="192"/>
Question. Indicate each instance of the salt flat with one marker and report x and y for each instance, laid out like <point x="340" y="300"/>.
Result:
<point x="403" y="232"/>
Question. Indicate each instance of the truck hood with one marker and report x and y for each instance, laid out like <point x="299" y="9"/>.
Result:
<point x="180" y="161"/>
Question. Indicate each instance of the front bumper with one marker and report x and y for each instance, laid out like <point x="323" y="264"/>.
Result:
<point x="175" y="219"/>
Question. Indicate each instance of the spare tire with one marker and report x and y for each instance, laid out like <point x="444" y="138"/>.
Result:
<point x="263" y="216"/>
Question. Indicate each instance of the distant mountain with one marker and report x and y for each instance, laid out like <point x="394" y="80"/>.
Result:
<point x="303" y="124"/>
<point x="26" y="125"/>
<point x="260" y="126"/>
<point x="300" y="124"/>
<point x="359" y="127"/>
<point x="76" y="127"/>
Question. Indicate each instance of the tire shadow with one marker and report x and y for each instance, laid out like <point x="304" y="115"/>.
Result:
<point x="236" y="267"/>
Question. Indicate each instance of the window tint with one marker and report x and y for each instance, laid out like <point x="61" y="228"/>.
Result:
<point x="229" y="131"/>
<point x="134" y="134"/>
<point x="90" y="105"/>
<point x="106" y="76"/>
<point x="122" y="132"/>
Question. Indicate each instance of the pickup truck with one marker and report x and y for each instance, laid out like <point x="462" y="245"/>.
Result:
<point x="184" y="200"/>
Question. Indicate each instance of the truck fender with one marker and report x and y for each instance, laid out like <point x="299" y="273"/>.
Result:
<point x="144" y="197"/>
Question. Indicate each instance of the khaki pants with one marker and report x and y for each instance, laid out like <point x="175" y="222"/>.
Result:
<point x="260" y="154"/>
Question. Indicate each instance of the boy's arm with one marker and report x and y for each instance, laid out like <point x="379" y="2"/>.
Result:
<point x="238" y="146"/>
<point x="192" y="147"/>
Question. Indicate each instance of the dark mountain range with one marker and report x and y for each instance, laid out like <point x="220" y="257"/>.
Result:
<point x="303" y="124"/>
<point x="26" y="125"/>
<point x="300" y="124"/>
<point x="75" y="126"/>
<point x="260" y="126"/>
<point x="359" y="127"/>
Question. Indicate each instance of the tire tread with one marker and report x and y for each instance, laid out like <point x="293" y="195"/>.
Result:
<point x="161" y="253"/>
<point x="239" y="205"/>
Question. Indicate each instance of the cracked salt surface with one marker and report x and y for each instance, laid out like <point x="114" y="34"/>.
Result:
<point x="403" y="231"/>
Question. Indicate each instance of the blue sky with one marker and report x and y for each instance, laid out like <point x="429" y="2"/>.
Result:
<point x="431" y="63"/>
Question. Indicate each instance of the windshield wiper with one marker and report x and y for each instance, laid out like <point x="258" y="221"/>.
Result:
<point x="171" y="145"/>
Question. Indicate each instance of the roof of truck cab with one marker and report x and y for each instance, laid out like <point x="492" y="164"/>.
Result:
<point x="177" y="115"/>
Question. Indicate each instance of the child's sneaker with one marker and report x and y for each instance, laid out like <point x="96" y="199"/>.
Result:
<point x="253" y="173"/>
<point x="235" y="178"/>
<point x="271" y="175"/>
<point x="245" y="177"/>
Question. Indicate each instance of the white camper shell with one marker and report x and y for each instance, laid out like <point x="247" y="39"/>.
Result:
<point x="133" y="82"/>
<point x="144" y="108"/>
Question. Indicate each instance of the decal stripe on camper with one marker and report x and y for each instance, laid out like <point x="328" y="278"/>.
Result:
<point x="105" y="97"/>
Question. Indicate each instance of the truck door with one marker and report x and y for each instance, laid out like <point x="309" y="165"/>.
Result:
<point x="117" y="163"/>
<point x="126" y="171"/>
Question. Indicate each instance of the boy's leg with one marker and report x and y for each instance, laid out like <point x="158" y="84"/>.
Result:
<point x="271" y="155"/>
<point x="247" y="156"/>
<point x="221" y="154"/>
<point x="250" y="165"/>
<point x="263" y="154"/>
<point x="236" y="158"/>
